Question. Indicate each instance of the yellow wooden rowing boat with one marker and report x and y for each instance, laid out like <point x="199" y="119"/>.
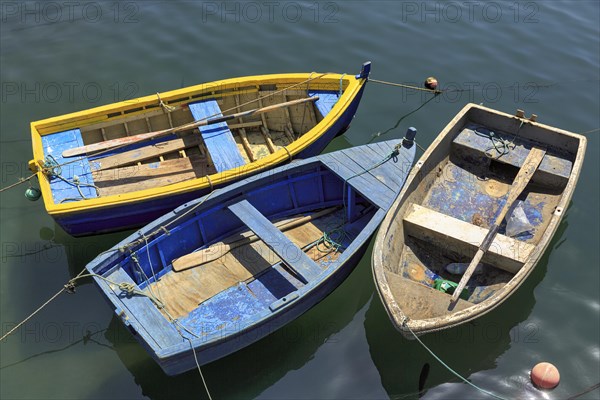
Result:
<point x="122" y="165"/>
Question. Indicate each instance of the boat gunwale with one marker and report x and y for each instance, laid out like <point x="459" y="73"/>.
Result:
<point x="401" y="321"/>
<point x="352" y="89"/>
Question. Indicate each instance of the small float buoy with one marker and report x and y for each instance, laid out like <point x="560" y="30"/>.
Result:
<point x="33" y="194"/>
<point x="431" y="83"/>
<point x="545" y="376"/>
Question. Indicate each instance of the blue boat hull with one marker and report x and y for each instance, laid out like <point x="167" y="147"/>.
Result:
<point x="357" y="185"/>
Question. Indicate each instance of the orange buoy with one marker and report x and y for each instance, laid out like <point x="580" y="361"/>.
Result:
<point x="545" y="376"/>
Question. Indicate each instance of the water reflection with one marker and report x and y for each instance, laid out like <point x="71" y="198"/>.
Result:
<point x="80" y="251"/>
<point x="407" y="369"/>
<point x="88" y="337"/>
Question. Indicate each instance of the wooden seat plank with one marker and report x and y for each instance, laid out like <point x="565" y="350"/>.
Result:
<point x="384" y="173"/>
<point x="365" y="183"/>
<point x="146" y="319"/>
<point x="553" y="170"/>
<point x="306" y="269"/>
<point x="218" y="138"/>
<point x="426" y="224"/>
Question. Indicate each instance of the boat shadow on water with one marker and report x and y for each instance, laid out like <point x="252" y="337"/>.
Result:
<point x="468" y="348"/>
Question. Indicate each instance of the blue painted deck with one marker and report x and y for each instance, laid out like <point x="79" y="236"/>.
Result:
<point x="327" y="100"/>
<point x="246" y="312"/>
<point x="62" y="191"/>
<point x="461" y="195"/>
<point x="217" y="137"/>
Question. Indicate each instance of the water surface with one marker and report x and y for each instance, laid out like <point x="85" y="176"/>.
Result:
<point x="543" y="57"/>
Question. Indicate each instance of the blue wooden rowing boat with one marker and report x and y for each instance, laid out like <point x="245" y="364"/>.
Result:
<point x="221" y="272"/>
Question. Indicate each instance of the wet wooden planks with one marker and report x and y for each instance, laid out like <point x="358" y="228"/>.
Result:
<point x="183" y="291"/>
<point x="146" y="176"/>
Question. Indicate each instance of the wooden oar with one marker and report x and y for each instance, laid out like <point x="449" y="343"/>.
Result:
<point x="531" y="163"/>
<point x="109" y="144"/>
<point x="219" y="249"/>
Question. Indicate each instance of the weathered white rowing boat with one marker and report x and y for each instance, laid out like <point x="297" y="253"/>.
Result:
<point x="451" y="202"/>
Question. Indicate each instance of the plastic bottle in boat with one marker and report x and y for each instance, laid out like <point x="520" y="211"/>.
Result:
<point x="460" y="268"/>
<point x="446" y="286"/>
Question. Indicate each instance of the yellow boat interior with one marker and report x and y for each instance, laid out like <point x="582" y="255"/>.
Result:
<point x="213" y="153"/>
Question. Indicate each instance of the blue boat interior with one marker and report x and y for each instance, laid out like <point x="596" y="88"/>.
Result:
<point x="456" y="203"/>
<point x="177" y="157"/>
<point x="256" y="279"/>
<point x="217" y="137"/>
<point x="73" y="181"/>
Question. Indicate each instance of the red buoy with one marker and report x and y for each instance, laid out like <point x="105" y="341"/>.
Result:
<point x="545" y="376"/>
<point x="431" y="83"/>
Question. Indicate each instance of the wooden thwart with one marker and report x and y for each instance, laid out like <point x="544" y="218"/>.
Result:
<point x="531" y="163"/>
<point x="183" y="291"/>
<point x="219" y="249"/>
<point x="462" y="237"/>
<point x="292" y="255"/>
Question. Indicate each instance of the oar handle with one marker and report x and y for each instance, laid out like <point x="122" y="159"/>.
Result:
<point x="109" y="144"/>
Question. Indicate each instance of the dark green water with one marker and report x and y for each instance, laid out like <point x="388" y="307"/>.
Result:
<point x="65" y="56"/>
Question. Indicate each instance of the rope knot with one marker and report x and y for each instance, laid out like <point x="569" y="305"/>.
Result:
<point x="70" y="286"/>
<point x="51" y="167"/>
<point x="166" y="108"/>
<point x="127" y="287"/>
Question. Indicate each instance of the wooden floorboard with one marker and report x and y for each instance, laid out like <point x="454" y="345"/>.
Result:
<point x="146" y="176"/>
<point x="385" y="173"/>
<point x="148" y="152"/>
<point x="183" y="291"/>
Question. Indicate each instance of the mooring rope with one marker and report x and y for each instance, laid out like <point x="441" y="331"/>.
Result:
<point x="20" y="181"/>
<point x="402" y="85"/>
<point x="66" y="287"/>
<point x="459" y="376"/>
<point x="501" y="145"/>
<point x="590" y="131"/>
<point x="586" y="391"/>
<point x="377" y="134"/>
